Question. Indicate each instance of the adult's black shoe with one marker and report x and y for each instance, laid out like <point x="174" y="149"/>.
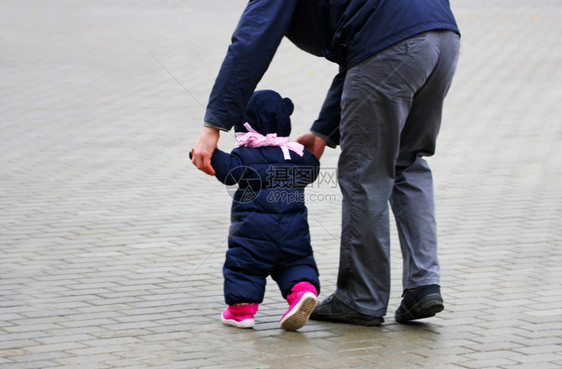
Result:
<point x="418" y="303"/>
<point x="333" y="310"/>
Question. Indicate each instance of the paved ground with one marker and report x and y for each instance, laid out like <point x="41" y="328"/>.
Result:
<point x="111" y="243"/>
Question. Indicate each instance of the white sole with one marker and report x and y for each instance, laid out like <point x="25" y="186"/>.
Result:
<point x="246" y="323"/>
<point x="298" y="316"/>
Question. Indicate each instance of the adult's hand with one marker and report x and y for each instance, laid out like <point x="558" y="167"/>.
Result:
<point x="312" y="143"/>
<point x="204" y="148"/>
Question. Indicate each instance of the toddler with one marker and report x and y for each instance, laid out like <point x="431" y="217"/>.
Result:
<point x="269" y="232"/>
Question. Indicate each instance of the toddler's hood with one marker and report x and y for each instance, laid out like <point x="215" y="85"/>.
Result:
<point x="267" y="112"/>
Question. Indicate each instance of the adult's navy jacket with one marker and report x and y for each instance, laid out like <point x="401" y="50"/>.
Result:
<point x="344" y="31"/>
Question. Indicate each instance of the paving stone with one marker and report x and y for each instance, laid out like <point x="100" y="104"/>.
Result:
<point x="112" y="243"/>
<point x="532" y="366"/>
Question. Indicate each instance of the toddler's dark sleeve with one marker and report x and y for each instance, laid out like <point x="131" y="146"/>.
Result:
<point x="315" y="163"/>
<point x="226" y="166"/>
<point x="308" y="170"/>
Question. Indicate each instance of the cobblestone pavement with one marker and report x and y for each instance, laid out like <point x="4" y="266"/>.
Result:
<point x="111" y="243"/>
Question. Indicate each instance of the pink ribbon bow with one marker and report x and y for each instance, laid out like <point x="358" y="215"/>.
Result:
<point x="252" y="138"/>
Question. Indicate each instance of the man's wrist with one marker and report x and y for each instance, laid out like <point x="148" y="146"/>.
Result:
<point x="329" y="142"/>
<point x="213" y="125"/>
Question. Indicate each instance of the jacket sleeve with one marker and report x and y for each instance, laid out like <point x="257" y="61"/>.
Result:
<point x="307" y="171"/>
<point x="226" y="167"/>
<point x="254" y="42"/>
<point x="328" y="122"/>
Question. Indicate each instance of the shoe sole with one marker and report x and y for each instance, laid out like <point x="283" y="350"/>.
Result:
<point x="425" y="308"/>
<point x="298" y="316"/>
<point x="346" y="318"/>
<point x="246" y="323"/>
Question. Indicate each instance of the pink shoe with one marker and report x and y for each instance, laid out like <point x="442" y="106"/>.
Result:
<point x="240" y="316"/>
<point x="302" y="301"/>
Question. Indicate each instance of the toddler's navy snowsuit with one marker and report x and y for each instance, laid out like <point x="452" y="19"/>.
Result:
<point x="269" y="232"/>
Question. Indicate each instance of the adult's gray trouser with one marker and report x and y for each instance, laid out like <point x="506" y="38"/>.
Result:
<point x="391" y="113"/>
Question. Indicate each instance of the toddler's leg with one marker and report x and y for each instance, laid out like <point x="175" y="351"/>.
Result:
<point x="302" y="301"/>
<point x="240" y="315"/>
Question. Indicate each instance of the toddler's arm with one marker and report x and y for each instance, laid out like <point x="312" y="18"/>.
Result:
<point x="312" y="168"/>
<point x="228" y="167"/>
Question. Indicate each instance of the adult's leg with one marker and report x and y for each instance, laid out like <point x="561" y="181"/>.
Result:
<point x="376" y="101"/>
<point x="412" y="198"/>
